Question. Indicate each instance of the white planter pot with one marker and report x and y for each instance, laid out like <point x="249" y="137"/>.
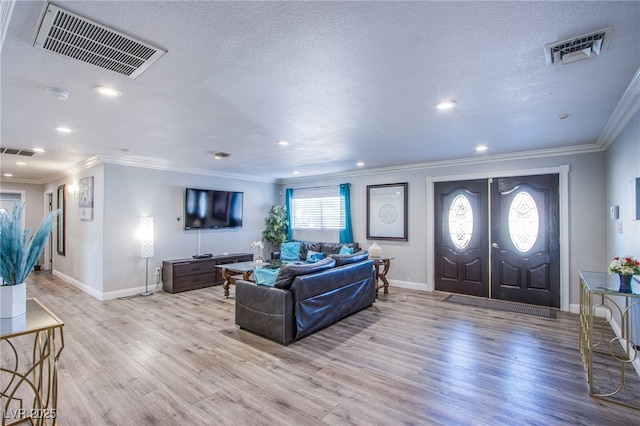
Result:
<point x="13" y="300"/>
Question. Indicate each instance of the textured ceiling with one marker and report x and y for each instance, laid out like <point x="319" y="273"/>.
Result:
<point x="341" y="81"/>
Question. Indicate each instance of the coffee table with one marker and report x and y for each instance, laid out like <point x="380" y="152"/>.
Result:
<point x="237" y="271"/>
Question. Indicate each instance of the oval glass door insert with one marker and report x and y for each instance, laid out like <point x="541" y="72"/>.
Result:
<point x="460" y="221"/>
<point x="524" y="221"/>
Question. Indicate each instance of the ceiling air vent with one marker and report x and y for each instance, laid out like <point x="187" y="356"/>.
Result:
<point x="76" y="37"/>
<point x="17" y="151"/>
<point x="578" y="48"/>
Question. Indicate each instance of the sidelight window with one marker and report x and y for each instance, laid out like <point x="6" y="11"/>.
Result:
<point x="524" y="221"/>
<point x="460" y="221"/>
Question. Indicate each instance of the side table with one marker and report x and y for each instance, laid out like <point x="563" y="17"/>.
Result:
<point x="29" y="387"/>
<point x="608" y="358"/>
<point x="381" y="275"/>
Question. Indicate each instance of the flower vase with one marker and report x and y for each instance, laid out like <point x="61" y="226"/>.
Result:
<point x="13" y="300"/>
<point x="625" y="283"/>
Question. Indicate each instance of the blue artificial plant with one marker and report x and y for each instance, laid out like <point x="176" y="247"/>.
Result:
<point x="18" y="252"/>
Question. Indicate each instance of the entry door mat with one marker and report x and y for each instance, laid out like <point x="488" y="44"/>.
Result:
<point x="501" y="305"/>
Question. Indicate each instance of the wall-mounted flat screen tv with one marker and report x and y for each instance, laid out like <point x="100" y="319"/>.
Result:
<point x="208" y="208"/>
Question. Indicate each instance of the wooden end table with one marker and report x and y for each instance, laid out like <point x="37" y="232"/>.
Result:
<point x="381" y="275"/>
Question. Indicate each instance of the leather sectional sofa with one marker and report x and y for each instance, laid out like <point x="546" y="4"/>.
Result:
<point x="307" y="297"/>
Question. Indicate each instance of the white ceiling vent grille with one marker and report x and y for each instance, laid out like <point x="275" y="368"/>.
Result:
<point x="76" y="37"/>
<point x="578" y="48"/>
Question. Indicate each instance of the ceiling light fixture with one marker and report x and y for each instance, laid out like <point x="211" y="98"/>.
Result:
<point x="8" y="175"/>
<point x="106" y="91"/>
<point x="20" y="163"/>
<point x="445" y="105"/>
<point x="295" y="172"/>
<point x="360" y="164"/>
<point x="39" y="149"/>
<point x="220" y="155"/>
<point x="481" y="148"/>
<point x="63" y="129"/>
<point x="283" y="143"/>
<point x="58" y="94"/>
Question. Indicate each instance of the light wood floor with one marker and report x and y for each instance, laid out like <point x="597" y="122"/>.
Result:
<point x="179" y="359"/>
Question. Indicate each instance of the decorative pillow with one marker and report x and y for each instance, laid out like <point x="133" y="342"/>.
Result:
<point x="266" y="277"/>
<point x="314" y="256"/>
<point x="345" y="250"/>
<point x="346" y="259"/>
<point x="290" y="251"/>
<point x="289" y="272"/>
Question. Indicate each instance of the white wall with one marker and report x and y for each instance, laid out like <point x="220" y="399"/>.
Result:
<point x="132" y="192"/>
<point x="409" y="268"/>
<point x="622" y="165"/>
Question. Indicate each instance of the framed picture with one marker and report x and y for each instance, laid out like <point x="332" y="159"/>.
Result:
<point x="387" y="212"/>
<point x="85" y="201"/>
<point x="62" y="206"/>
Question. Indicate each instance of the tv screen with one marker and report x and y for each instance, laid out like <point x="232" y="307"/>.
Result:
<point x="207" y="208"/>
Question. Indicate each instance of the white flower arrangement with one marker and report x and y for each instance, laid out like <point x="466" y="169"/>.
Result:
<point x="624" y="266"/>
<point x="258" y="244"/>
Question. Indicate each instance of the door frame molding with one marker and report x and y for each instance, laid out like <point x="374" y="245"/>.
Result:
<point x="562" y="171"/>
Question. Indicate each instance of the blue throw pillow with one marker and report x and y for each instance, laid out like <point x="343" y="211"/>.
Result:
<point x="346" y="250"/>
<point x="314" y="256"/>
<point x="290" y="251"/>
<point x="266" y="277"/>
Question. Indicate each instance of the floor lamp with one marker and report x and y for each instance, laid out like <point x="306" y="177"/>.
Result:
<point x="145" y="233"/>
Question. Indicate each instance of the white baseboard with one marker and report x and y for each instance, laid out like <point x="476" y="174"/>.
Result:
<point x="408" y="285"/>
<point x="96" y="293"/>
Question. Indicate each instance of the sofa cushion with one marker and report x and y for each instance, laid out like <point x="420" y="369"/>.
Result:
<point x="346" y="250"/>
<point x="290" y="251"/>
<point x="314" y="256"/>
<point x="334" y="248"/>
<point x="266" y="277"/>
<point x="345" y="259"/>
<point x="289" y="272"/>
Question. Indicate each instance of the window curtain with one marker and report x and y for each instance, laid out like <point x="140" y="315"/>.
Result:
<point x="346" y="233"/>
<point x="288" y="197"/>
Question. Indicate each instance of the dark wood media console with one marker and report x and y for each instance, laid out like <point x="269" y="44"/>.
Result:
<point x="190" y="274"/>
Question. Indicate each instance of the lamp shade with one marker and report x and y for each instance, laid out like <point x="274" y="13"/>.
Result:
<point x="145" y="235"/>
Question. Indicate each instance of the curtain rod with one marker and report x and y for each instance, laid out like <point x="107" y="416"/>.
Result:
<point x="320" y="187"/>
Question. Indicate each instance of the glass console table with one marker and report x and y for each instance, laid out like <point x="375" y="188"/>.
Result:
<point x="30" y="345"/>
<point x="609" y="322"/>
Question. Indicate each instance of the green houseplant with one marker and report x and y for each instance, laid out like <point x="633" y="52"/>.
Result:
<point x="276" y="229"/>
<point x="19" y="252"/>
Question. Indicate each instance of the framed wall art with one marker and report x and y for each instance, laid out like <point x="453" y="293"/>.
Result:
<point x="85" y="201"/>
<point x="387" y="212"/>
<point x="62" y="206"/>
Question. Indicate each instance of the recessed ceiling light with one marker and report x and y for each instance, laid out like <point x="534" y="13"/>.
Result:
<point x="445" y="105"/>
<point x="58" y="94"/>
<point x="39" y="149"/>
<point x="106" y="91"/>
<point x="63" y="129"/>
<point x="295" y="172"/>
<point x="8" y="175"/>
<point x="481" y="148"/>
<point x="360" y="164"/>
<point x="283" y="143"/>
<point x="20" y="163"/>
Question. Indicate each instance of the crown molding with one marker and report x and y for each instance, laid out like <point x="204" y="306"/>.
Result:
<point x="523" y="155"/>
<point x="625" y="110"/>
<point x="157" y="165"/>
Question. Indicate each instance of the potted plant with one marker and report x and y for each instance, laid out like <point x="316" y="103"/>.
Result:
<point x="276" y="229"/>
<point x="19" y="252"/>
